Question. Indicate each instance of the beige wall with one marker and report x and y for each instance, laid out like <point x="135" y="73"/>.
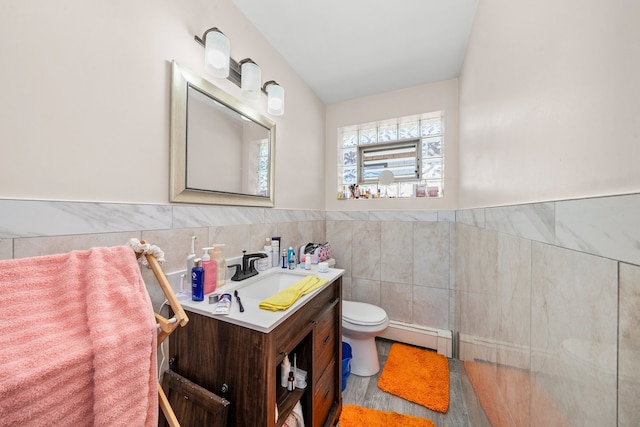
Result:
<point x="441" y="96"/>
<point x="549" y="100"/>
<point x="85" y="98"/>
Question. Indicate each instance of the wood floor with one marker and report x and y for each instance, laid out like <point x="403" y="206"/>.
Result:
<point x="364" y="391"/>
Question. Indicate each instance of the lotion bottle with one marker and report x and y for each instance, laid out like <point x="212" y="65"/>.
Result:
<point x="197" y="282"/>
<point x="210" y="273"/>
<point x="221" y="264"/>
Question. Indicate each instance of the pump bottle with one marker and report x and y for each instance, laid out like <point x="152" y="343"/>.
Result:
<point x="210" y="273"/>
<point x="197" y="282"/>
<point x="221" y="264"/>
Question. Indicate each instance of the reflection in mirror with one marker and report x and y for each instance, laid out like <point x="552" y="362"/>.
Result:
<point x="222" y="152"/>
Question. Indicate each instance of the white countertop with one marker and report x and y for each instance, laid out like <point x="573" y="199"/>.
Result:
<point x="254" y="317"/>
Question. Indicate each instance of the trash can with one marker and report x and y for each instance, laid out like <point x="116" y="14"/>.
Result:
<point x="346" y="363"/>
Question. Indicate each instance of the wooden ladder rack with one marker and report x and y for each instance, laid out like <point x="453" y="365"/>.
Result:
<point x="167" y="326"/>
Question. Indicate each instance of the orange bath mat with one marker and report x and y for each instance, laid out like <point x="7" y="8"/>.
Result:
<point x="356" y="416"/>
<point x="417" y="375"/>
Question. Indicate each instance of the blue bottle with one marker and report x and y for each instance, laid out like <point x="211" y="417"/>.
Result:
<point x="197" y="282"/>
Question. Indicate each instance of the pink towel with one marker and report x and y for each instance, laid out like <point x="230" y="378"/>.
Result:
<point x="78" y="341"/>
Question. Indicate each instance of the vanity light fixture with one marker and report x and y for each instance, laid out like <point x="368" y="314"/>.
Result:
<point x="217" y="50"/>
<point x="275" y="97"/>
<point x="250" y="78"/>
<point x="246" y="73"/>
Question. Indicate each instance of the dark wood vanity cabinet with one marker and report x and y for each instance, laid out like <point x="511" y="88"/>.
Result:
<point x="243" y="365"/>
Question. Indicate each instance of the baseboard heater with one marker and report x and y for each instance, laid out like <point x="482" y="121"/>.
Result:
<point x="423" y="336"/>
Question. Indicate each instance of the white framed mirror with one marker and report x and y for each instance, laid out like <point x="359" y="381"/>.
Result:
<point x="222" y="152"/>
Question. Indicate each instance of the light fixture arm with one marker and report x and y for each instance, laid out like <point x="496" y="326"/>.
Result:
<point x="267" y="84"/>
<point x="204" y="36"/>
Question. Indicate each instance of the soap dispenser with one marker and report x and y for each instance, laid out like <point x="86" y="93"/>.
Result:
<point x="210" y="273"/>
<point x="221" y="264"/>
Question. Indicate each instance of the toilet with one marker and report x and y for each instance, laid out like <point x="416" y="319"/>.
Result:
<point x="361" y="323"/>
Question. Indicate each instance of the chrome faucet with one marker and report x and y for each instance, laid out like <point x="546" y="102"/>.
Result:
<point x="248" y="267"/>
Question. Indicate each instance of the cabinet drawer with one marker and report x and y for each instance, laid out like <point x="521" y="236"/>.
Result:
<point x="306" y="316"/>
<point x="324" y="342"/>
<point x="324" y="395"/>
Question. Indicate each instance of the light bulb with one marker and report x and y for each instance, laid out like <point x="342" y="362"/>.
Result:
<point x="216" y="54"/>
<point x="275" y="99"/>
<point x="250" y="80"/>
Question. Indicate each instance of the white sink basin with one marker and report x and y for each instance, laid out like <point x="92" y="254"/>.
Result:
<point x="266" y="286"/>
<point x="256" y="289"/>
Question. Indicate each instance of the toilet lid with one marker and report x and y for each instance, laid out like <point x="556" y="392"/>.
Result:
<point x="361" y="313"/>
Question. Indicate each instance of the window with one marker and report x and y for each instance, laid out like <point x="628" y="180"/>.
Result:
<point x="410" y="147"/>
<point x="401" y="158"/>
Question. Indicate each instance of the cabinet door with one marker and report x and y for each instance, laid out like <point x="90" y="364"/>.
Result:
<point x="324" y="395"/>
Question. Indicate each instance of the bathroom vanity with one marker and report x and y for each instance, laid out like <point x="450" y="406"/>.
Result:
<point x="238" y="356"/>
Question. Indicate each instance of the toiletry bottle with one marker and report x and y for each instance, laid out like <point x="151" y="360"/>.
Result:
<point x="192" y="255"/>
<point x="292" y="262"/>
<point x="210" y="271"/>
<point x="197" y="282"/>
<point x="285" y="368"/>
<point x="307" y="262"/>
<point x="275" y="248"/>
<point x="267" y="248"/>
<point x="221" y="264"/>
<point x="285" y="263"/>
<point x="292" y="382"/>
<point x="262" y="264"/>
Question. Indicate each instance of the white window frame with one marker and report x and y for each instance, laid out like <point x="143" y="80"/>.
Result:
<point x="413" y="144"/>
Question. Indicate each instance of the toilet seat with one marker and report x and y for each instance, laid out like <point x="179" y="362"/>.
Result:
<point x="360" y="313"/>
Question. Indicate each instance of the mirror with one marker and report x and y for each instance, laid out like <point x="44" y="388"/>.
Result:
<point x="385" y="178"/>
<point x="222" y="152"/>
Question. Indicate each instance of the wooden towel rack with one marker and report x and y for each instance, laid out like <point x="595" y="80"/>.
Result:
<point x="167" y="326"/>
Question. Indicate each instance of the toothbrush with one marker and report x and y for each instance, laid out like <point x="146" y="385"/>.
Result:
<point x="295" y="365"/>
<point x="239" y="302"/>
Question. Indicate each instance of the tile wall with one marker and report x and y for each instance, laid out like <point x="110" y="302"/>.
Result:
<point x="32" y="228"/>
<point x="550" y="290"/>
<point x="400" y="261"/>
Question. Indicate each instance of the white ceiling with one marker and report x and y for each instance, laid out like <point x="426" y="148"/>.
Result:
<point x="346" y="49"/>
